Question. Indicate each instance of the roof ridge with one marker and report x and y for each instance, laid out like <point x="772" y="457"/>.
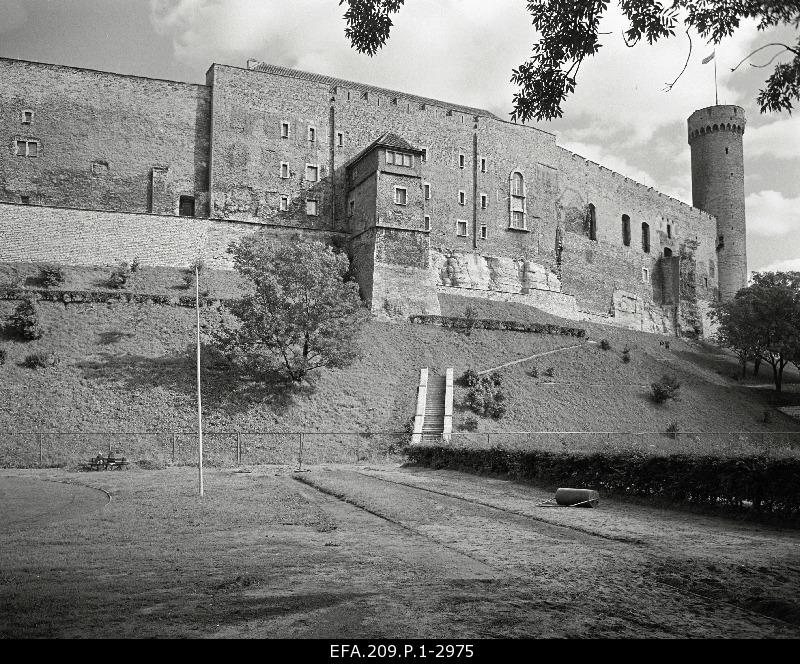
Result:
<point x="268" y="68"/>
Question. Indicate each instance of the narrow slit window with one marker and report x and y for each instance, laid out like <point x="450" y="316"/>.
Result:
<point x="427" y="222"/>
<point x="462" y="160"/>
<point x="484" y="201"/>
<point x="646" y="237"/>
<point x="284" y="170"/>
<point x="312" y="134"/>
<point x="462" y="198"/>
<point x="340" y="139"/>
<point x="483" y="231"/>
<point x="284" y="130"/>
<point x="483" y="165"/>
<point x="427" y="188"/>
<point x="626" y="230"/>
<point x="591" y="221"/>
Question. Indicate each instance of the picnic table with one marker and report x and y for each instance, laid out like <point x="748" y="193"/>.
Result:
<point x="109" y="462"/>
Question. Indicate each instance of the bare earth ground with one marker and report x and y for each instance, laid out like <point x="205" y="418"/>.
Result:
<point x="381" y="551"/>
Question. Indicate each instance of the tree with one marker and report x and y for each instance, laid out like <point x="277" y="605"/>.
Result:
<point x="763" y="321"/>
<point x="569" y="33"/>
<point x="301" y="314"/>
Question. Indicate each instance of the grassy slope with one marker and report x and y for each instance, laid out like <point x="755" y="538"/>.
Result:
<point x="129" y="368"/>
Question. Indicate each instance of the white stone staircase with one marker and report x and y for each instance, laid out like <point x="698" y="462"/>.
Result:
<point x="433" y="421"/>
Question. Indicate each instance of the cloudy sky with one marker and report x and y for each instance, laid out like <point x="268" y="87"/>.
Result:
<point x="460" y="51"/>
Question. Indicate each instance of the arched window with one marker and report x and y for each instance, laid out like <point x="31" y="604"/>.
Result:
<point x="645" y="238"/>
<point x="626" y="230"/>
<point x="517" y="202"/>
<point x="591" y="221"/>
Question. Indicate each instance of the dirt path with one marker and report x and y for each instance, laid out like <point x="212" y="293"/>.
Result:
<point x="359" y="552"/>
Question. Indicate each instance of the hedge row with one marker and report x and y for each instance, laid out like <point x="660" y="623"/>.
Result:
<point x="85" y="297"/>
<point x="492" y="324"/>
<point x="769" y="484"/>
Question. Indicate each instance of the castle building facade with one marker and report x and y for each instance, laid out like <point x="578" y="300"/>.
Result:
<point x="428" y="197"/>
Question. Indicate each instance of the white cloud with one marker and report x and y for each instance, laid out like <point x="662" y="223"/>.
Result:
<point x="13" y="15"/>
<point x="779" y="139"/>
<point x="790" y="265"/>
<point x="771" y="214"/>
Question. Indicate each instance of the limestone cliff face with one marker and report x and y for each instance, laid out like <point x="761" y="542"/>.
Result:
<point x="494" y="273"/>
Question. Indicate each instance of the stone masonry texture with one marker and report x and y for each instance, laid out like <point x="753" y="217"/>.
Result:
<point x="284" y="151"/>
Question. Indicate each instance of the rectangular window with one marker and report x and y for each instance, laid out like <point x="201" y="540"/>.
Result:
<point x="427" y="222"/>
<point x="389" y="157"/>
<point x="399" y="159"/>
<point x="340" y="139"/>
<point x="462" y="198"/>
<point x="669" y="231"/>
<point x="424" y="155"/>
<point x="400" y="195"/>
<point x="461" y="228"/>
<point x="284" y="130"/>
<point x="461" y="161"/>
<point x="311" y="207"/>
<point x="483" y="231"/>
<point x="427" y="188"/>
<point x="284" y="170"/>
<point x="284" y="203"/>
<point x="27" y="117"/>
<point x="312" y="172"/>
<point x="408" y="160"/>
<point x="21" y="148"/>
<point x="483" y="165"/>
<point x="645" y="275"/>
<point x="27" y="148"/>
<point x="484" y="201"/>
<point x="517" y="219"/>
<point x="352" y="208"/>
<point x="186" y="206"/>
<point x="312" y="134"/>
<point x="33" y="149"/>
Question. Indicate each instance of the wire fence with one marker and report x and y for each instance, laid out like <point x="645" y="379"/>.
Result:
<point x="162" y="448"/>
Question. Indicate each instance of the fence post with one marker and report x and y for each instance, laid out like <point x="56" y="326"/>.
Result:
<point x="41" y="449"/>
<point x="173" y="449"/>
<point x="238" y="448"/>
<point x="300" y="456"/>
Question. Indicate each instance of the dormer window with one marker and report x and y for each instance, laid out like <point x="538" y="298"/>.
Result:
<point x="399" y="158"/>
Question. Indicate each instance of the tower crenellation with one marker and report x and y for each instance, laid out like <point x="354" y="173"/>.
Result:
<point x="715" y="138"/>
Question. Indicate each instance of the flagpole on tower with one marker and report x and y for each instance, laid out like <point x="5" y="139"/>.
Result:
<point x="716" y="95"/>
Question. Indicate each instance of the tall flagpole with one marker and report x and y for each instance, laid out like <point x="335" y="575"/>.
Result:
<point x="199" y="404"/>
<point x="716" y="96"/>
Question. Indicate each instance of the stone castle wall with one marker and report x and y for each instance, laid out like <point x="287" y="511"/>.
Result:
<point x="224" y="142"/>
<point x="99" y="237"/>
<point x="100" y="136"/>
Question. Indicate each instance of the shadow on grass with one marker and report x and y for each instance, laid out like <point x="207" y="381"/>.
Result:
<point x="226" y="388"/>
<point x="113" y="337"/>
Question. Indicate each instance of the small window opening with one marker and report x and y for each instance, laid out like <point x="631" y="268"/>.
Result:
<point x="462" y="198"/>
<point x="186" y="206"/>
<point x="483" y="165"/>
<point x="284" y="203"/>
<point x="645" y="238"/>
<point x="461" y="161"/>
<point x="311" y="207"/>
<point x="483" y="231"/>
<point x="427" y="222"/>
<point x="27" y="117"/>
<point x="25" y="200"/>
<point x="645" y="275"/>
<point x="284" y="170"/>
<point x="352" y="207"/>
<point x="424" y="155"/>
<point x="484" y="201"/>
<point x="340" y="139"/>
<point x="667" y="252"/>
<point x="461" y="228"/>
<point x="427" y="188"/>
<point x="312" y="134"/>
<point x="591" y="221"/>
<point x="400" y="195"/>
<point x="284" y="130"/>
<point x="312" y="172"/>
<point x="626" y="230"/>
<point x="669" y="231"/>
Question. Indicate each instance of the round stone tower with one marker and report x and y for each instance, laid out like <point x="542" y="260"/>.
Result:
<point x="715" y="138"/>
